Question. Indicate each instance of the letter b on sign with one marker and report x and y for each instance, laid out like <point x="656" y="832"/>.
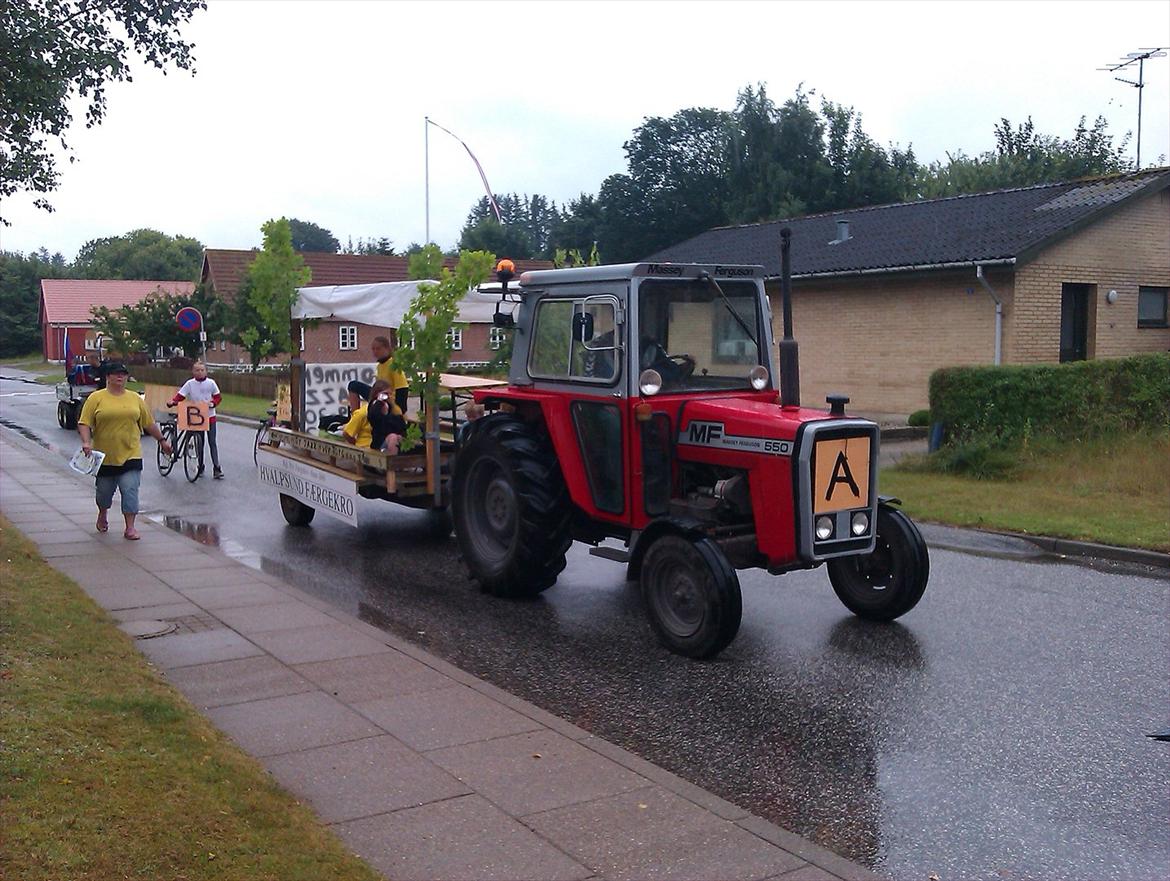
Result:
<point x="193" y="416"/>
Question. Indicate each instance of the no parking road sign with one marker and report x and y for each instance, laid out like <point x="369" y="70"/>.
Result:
<point x="189" y="319"/>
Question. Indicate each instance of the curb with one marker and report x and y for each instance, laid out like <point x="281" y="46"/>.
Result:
<point x="904" y="432"/>
<point x="1071" y="548"/>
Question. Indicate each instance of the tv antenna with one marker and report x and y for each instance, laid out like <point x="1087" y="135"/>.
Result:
<point x="1138" y="58"/>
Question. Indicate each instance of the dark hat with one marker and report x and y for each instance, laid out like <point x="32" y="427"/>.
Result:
<point x="115" y="367"/>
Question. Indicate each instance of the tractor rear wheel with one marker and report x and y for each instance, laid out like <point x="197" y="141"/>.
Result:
<point x="889" y="582"/>
<point x="692" y="595"/>
<point x="511" y="508"/>
<point x="296" y="512"/>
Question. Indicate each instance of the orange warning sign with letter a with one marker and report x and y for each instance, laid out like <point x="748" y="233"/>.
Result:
<point x="841" y="478"/>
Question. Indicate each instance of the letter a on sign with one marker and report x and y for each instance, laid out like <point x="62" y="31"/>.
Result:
<point x="841" y="479"/>
<point x="193" y="416"/>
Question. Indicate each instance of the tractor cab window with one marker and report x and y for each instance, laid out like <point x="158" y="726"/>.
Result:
<point x="697" y="339"/>
<point x="575" y="340"/>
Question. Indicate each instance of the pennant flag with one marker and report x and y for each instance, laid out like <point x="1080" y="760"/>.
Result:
<point x="478" y="167"/>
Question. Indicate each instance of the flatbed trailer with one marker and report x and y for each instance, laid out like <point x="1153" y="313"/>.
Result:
<point x="316" y="472"/>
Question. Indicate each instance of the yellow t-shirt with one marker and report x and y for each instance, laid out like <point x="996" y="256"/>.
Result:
<point x="117" y="423"/>
<point x="396" y="378"/>
<point x="358" y="428"/>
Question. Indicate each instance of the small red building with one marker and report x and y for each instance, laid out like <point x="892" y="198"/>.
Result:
<point x="66" y="304"/>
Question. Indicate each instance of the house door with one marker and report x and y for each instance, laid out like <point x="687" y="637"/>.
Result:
<point x="1074" y="322"/>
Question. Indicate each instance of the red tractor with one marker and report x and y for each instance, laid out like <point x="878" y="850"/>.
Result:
<point x="642" y="405"/>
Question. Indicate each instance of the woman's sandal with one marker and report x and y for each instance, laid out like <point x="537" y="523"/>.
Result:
<point x="131" y="536"/>
<point x="103" y="525"/>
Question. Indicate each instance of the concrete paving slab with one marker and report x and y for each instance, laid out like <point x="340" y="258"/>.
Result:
<point x="239" y="681"/>
<point x="807" y="872"/>
<point x="835" y="865"/>
<point x="103" y="574"/>
<point x="287" y="615"/>
<point x="323" y="643"/>
<point x="171" y="559"/>
<point x="535" y="772"/>
<point x="165" y="612"/>
<point x="133" y="596"/>
<point x="448" y="717"/>
<point x="367" y="678"/>
<point x="204" y="576"/>
<point x="290" y="723"/>
<point x="655" y="834"/>
<point x="204" y="647"/>
<point x="87" y="548"/>
<point x="231" y="596"/>
<point x="361" y="778"/>
<point x="462" y="839"/>
<point x="59" y="536"/>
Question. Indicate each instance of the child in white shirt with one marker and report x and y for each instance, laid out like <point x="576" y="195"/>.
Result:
<point x="201" y="387"/>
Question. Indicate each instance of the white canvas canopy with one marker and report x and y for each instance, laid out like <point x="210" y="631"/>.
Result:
<point x="384" y="303"/>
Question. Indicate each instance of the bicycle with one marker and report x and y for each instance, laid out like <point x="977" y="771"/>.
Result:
<point x="262" y="434"/>
<point x="185" y="444"/>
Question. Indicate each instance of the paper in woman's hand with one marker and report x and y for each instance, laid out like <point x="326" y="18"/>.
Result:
<point x="87" y="465"/>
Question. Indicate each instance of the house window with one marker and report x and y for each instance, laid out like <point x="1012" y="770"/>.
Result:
<point x="223" y="345"/>
<point x="90" y="344"/>
<point x="496" y="337"/>
<point x="455" y="339"/>
<point x="302" y="338"/>
<point x="347" y="338"/>
<point x="1152" y="306"/>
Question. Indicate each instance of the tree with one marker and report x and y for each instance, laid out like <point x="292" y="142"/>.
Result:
<point x="310" y="237"/>
<point x="245" y="327"/>
<point x="426" y="262"/>
<point x="144" y="254"/>
<point x="381" y="246"/>
<point x="54" y="50"/>
<point x="273" y="279"/>
<point x="149" y="325"/>
<point x="423" y="351"/>
<point x="20" y="295"/>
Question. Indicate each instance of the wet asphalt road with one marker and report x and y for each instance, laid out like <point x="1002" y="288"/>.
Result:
<point x="996" y="732"/>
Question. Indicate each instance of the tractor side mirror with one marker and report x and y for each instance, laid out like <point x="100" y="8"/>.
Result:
<point x="583" y="327"/>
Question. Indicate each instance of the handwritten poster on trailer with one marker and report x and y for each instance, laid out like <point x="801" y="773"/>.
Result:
<point x="318" y="489"/>
<point x="325" y="388"/>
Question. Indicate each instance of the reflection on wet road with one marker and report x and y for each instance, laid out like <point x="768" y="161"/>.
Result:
<point x="996" y="732"/>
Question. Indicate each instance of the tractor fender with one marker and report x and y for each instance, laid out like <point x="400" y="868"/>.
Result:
<point x="663" y="526"/>
<point x="889" y="501"/>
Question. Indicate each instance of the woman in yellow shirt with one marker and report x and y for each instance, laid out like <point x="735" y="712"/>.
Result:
<point x="112" y="421"/>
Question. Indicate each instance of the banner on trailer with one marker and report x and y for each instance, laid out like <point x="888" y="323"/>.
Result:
<point x="325" y="388"/>
<point x="328" y="493"/>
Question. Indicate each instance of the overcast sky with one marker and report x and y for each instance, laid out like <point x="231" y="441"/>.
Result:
<point x="315" y="109"/>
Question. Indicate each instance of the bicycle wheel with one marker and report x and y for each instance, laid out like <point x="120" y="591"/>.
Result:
<point x="166" y="461"/>
<point x="261" y="437"/>
<point x="193" y="456"/>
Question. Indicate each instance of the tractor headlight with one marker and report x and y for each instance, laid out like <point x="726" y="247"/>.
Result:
<point x="758" y="377"/>
<point x="824" y="528"/>
<point x="860" y="523"/>
<point x="650" y="382"/>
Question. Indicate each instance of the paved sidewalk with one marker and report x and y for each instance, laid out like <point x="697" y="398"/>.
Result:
<point x="424" y="770"/>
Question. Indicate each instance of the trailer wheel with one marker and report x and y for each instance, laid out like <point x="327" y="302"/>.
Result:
<point x="511" y="509"/>
<point x="692" y="595"/>
<point x="889" y="582"/>
<point x="62" y="414"/>
<point x="296" y="512"/>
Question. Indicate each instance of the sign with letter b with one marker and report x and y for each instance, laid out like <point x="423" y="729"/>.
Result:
<point x="193" y="416"/>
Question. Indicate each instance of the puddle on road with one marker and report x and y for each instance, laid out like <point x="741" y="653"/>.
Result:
<point x="27" y="433"/>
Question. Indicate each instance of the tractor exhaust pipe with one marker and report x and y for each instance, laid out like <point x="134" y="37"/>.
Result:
<point x="789" y="357"/>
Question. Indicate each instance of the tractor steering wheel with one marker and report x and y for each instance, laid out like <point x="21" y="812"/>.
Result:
<point x="674" y="368"/>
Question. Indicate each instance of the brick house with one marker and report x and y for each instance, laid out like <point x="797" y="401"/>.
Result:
<point x="66" y="303"/>
<point x="330" y="341"/>
<point x="884" y="296"/>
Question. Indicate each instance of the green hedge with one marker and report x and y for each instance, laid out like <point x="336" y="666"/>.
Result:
<point x="1080" y="399"/>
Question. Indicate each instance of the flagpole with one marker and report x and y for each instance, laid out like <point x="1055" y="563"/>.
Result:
<point x="427" y="171"/>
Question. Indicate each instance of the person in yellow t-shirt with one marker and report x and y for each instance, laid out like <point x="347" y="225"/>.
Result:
<point x="357" y="431"/>
<point x="396" y="379"/>
<point x="112" y="421"/>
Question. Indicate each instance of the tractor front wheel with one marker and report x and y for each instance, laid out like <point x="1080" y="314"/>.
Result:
<point x="692" y="595"/>
<point x="511" y="508"/>
<point x="62" y="414"/>
<point x="889" y="582"/>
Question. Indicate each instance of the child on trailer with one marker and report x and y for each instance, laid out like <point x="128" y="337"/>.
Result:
<point x="385" y="418"/>
<point x="201" y="387"/>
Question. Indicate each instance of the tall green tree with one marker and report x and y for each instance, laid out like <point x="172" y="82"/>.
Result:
<point x="55" y="51"/>
<point x="426" y="262"/>
<point x="144" y="254"/>
<point x="149" y="325"/>
<point x="308" y="236"/>
<point x="272" y="281"/>
<point x="20" y="296"/>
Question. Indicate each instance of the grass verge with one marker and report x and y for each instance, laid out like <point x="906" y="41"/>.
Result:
<point x="244" y="406"/>
<point x="109" y="773"/>
<point x="1113" y="490"/>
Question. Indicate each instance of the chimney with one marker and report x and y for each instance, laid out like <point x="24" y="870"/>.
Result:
<point x="842" y="232"/>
